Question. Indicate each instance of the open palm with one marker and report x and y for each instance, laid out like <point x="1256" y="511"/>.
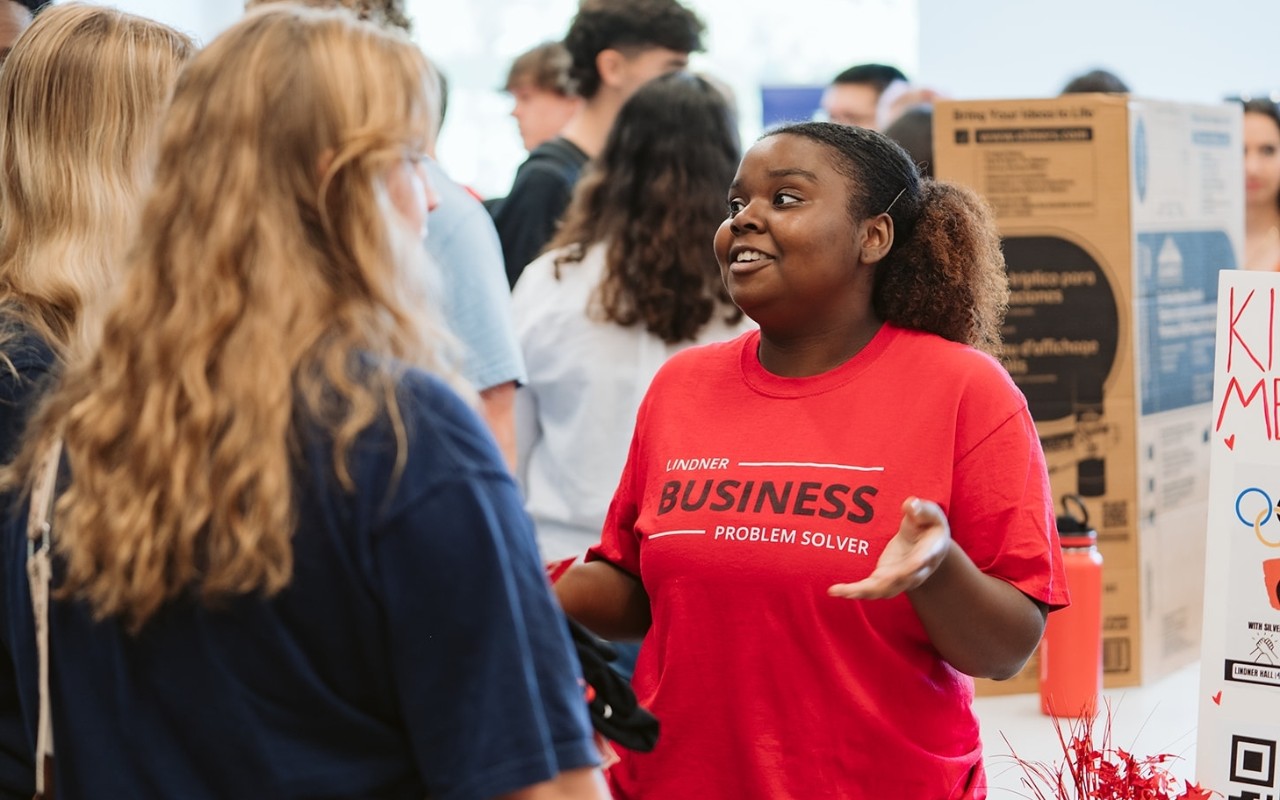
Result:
<point x="909" y="558"/>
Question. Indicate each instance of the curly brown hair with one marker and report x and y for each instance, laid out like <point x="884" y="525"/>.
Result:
<point x="656" y="196"/>
<point x="387" y="14"/>
<point x="945" y="272"/>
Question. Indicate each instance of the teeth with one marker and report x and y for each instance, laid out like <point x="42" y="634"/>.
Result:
<point x="750" y="255"/>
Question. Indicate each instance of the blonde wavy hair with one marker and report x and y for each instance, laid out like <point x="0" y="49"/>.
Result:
<point x="81" y="97"/>
<point x="271" y="289"/>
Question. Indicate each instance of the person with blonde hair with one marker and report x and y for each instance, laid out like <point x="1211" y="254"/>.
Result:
<point x="69" y="198"/>
<point x="475" y="298"/>
<point x="290" y="560"/>
<point x="81" y="94"/>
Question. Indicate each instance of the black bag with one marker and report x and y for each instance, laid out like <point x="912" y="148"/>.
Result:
<point x="615" y="713"/>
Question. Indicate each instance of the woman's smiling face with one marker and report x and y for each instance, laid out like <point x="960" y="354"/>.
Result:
<point x="789" y="250"/>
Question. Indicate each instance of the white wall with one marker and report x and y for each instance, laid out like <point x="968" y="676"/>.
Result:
<point x="203" y="19"/>
<point x="1172" y="49"/>
<point x="749" y="43"/>
<point x="1175" y="49"/>
<point x="1193" y="50"/>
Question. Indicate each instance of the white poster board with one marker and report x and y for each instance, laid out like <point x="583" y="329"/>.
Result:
<point x="1240" y="660"/>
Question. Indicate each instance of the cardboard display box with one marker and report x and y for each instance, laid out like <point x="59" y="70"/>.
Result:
<point x="1117" y="214"/>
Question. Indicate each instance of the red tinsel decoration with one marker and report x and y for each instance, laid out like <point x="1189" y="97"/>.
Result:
<point x="1097" y="770"/>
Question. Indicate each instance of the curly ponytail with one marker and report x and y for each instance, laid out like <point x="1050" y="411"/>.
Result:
<point x="947" y="276"/>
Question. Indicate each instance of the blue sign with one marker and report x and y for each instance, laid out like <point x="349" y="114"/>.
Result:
<point x="789" y="103"/>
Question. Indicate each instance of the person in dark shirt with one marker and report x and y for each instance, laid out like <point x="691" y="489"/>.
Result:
<point x="913" y="130"/>
<point x="1096" y="80"/>
<point x="538" y="83"/>
<point x="65" y="208"/>
<point x="69" y="199"/>
<point x="616" y="47"/>
<point x="853" y="96"/>
<point x="289" y="561"/>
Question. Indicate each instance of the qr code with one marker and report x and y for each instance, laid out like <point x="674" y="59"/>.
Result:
<point x="1115" y="514"/>
<point x="1253" y="763"/>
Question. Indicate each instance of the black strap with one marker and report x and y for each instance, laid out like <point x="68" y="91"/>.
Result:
<point x="615" y="712"/>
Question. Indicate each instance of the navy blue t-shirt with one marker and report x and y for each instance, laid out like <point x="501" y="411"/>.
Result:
<point x="20" y="388"/>
<point x="34" y="367"/>
<point x="417" y="652"/>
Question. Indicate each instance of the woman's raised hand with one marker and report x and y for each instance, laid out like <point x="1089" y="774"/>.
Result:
<point x="910" y="557"/>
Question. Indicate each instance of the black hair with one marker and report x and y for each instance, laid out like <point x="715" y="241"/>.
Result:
<point x="443" y="84"/>
<point x="1096" y="80"/>
<point x="913" y="130"/>
<point x="1261" y="105"/>
<point x="944" y="272"/>
<point x="626" y="25"/>
<point x="34" y="6"/>
<point x="654" y="197"/>
<point x="876" y="75"/>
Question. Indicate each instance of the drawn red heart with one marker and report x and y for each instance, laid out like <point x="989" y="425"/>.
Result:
<point x="1231" y="442"/>
<point x="1217" y="698"/>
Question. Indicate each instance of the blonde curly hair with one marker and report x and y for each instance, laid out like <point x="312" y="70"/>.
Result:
<point x="271" y="288"/>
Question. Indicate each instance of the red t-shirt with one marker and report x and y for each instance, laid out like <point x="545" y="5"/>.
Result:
<point x="745" y="496"/>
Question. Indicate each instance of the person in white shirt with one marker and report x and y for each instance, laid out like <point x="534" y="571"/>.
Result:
<point x="629" y="280"/>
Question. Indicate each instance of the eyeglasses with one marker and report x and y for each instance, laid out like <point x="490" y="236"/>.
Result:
<point x="416" y="157"/>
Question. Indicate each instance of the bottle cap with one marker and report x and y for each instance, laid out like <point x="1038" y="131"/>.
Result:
<point x="1087" y="538"/>
<point x="1075" y="531"/>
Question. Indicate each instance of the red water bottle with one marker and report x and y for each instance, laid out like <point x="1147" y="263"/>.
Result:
<point x="1071" y="650"/>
